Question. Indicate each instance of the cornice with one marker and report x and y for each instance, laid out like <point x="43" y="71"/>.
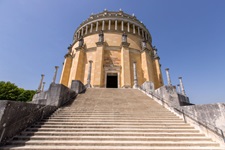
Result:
<point x="113" y="15"/>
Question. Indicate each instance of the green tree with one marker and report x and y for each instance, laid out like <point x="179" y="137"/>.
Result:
<point x="9" y="91"/>
<point x="26" y="95"/>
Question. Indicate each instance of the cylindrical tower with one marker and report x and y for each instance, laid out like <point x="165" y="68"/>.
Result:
<point x="113" y="41"/>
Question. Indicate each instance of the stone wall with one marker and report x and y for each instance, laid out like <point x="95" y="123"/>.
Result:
<point x="57" y="95"/>
<point x="16" y="116"/>
<point x="169" y="95"/>
<point x="211" y="114"/>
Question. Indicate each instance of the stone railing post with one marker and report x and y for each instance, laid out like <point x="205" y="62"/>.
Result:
<point x="168" y="77"/>
<point x="182" y="86"/>
<point x="178" y="88"/>
<point x="40" y="85"/>
<point x="55" y="74"/>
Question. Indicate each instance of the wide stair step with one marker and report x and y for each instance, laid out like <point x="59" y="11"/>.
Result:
<point x="112" y="119"/>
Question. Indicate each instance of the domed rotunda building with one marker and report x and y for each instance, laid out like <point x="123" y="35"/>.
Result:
<point x="112" y="50"/>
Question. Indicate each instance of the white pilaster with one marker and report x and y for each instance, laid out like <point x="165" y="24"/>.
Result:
<point x="133" y="28"/>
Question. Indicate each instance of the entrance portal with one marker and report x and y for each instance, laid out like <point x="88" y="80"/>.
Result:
<point x="112" y="80"/>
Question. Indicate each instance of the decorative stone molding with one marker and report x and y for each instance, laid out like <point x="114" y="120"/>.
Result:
<point x="125" y="44"/>
<point x="112" y="68"/>
<point x="107" y="19"/>
<point x="100" y="44"/>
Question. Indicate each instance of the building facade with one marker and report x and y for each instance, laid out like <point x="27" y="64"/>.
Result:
<point x="112" y="49"/>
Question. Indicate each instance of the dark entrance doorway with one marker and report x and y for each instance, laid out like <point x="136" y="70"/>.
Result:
<point x="112" y="80"/>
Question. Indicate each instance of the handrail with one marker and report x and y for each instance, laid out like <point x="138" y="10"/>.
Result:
<point x="32" y="113"/>
<point x="193" y="117"/>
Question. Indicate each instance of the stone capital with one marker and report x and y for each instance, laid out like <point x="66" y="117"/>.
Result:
<point x="144" y="49"/>
<point x="156" y="57"/>
<point x="125" y="44"/>
<point x="79" y="48"/>
<point x="67" y="55"/>
<point x="100" y="44"/>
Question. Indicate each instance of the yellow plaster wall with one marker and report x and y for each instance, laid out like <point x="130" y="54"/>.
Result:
<point x="147" y="69"/>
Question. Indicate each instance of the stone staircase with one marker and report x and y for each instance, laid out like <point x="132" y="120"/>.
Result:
<point x="112" y="119"/>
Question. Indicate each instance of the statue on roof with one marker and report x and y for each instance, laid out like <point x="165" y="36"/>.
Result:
<point x="81" y="41"/>
<point x="124" y="37"/>
<point x="101" y="36"/>
<point x="143" y="44"/>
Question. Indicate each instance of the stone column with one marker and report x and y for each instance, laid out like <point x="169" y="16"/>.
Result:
<point x="116" y="25"/>
<point x="89" y="74"/>
<point x="133" y="28"/>
<point x="182" y="86"/>
<point x="40" y="85"/>
<point x="109" y="25"/>
<point x="138" y="31"/>
<point x="122" y="26"/>
<point x="43" y="86"/>
<point x="103" y="24"/>
<point x="55" y="74"/>
<point x="168" y="77"/>
<point x="128" y="27"/>
<point x="82" y="31"/>
<point x="97" y="26"/>
<point x="91" y="28"/>
<point x="78" y="34"/>
<point x="135" y="76"/>
<point x="86" y="30"/>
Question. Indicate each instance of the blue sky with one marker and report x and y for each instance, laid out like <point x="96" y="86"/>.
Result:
<point x="189" y="35"/>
